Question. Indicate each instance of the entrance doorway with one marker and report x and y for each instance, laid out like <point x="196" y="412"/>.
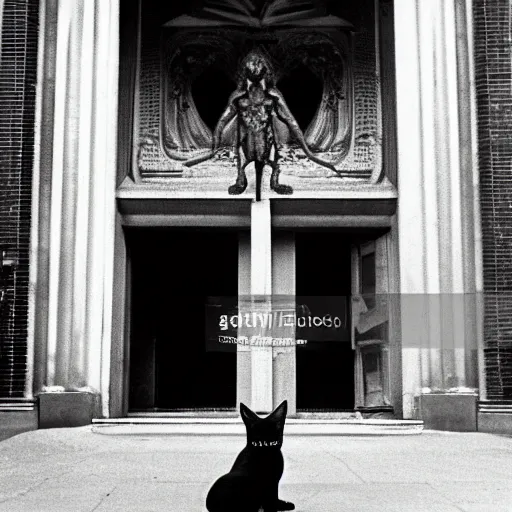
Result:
<point x="325" y="364"/>
<point x="340" y="276"/>
<point x="344" y="277"/>
<point x="173" y="272"/>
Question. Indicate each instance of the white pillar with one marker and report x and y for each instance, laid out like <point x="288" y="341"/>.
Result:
<point x="261" y="285"/>
<point x="283" y="285"/>
<point x="243" y="356"/>
<point x="436" y="193"/>
<point x="82" y="196"/>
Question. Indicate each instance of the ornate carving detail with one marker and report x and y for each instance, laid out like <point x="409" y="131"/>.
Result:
<point x="185" y="57"/>
<point x="328" y="56"/>
<point x="188" y="54"/>
<point x="255" y="107"/>
<point x="344" y="130"/>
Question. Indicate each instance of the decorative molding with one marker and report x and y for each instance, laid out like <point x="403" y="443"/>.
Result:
<point x="495" y="406"/>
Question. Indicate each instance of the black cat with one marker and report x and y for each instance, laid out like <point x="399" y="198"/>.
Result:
<point x="252" y="483"/>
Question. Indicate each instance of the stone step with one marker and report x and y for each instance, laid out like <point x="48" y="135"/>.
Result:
<point x="234" y="426"/>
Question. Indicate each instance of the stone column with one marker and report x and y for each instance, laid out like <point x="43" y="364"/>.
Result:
<point x="283" y="286"/>
<point x="243" y="355"/>
<point x="77" y="197"/>
<point x="437" y="217"/>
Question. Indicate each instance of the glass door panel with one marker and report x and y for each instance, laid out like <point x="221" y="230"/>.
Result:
<point x="370" y="324"/>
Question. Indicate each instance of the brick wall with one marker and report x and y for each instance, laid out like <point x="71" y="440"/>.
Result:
<point x="18" y="69"/>
<point x="493" y="61"/>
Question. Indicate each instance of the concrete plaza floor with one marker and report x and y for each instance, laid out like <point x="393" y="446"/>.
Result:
<point x="77" y="470"/>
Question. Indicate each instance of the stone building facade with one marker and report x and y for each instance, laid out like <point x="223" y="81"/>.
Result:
<point x="126" y="244"/>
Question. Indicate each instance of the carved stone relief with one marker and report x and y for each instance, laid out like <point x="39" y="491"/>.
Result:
<point x="301" y="42"/>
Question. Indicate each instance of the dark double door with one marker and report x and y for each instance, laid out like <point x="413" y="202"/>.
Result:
<point x="174" y="273"/>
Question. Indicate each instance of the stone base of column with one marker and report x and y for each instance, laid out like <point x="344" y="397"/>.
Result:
<point x="68" y="409"/>
<point x="17" y="418"/>
<point x="495" y="416"/>
<point x="495" y="423"/>
<point x="455" y="412"/>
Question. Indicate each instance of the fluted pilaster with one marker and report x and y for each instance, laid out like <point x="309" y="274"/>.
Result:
<point x="437" y="212"/>
<point x="78" y="194"/>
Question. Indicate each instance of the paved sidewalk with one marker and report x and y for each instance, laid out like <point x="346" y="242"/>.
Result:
<point x="75" y="470"/>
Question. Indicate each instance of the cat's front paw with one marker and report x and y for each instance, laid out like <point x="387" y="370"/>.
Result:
<point x="285" y="505"/>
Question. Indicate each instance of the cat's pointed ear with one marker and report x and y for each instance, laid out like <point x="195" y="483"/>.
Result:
<point x="248" y="416"/>
<point x="279" y="414"/>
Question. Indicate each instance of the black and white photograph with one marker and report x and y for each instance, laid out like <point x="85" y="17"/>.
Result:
<point x="255" y="255"/>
